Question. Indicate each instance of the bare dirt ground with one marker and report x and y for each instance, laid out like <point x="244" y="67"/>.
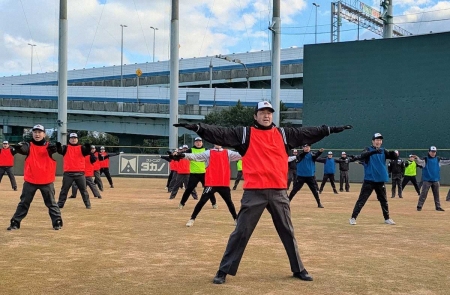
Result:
<point x="134" y="241"/>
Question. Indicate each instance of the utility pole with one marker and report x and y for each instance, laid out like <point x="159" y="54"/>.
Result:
<point x="174" y="73"/>
<point x="276" y="57"/>
<point x="315" y="29"/>
<point x="154" y="41"/>
<point x="62" y="73"/>
<point x="121" y="57"/>
<point x="32" y="45"/>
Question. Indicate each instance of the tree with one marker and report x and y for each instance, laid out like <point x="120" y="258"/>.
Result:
<point x="239" y="115"/>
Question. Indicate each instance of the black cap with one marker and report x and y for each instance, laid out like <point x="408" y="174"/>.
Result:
<point x="306" y="144"/>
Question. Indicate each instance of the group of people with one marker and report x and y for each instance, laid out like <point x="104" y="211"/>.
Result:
<point x="266" y="185"/>
<point x="40" y="172"/>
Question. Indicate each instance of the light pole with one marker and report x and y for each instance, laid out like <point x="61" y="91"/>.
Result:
<point x="238" y="61"/>
<point x="315" y="30"/>
<point x="32" y="45"/>
<point x="121" y="57"/>
<point x="210" y="73"/>
<point x="154" y="41"/>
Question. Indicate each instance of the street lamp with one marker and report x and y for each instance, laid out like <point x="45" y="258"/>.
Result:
<point x="238" y="61"/>
<point x="121" y="57"/>
<point x="315" y="31"/>
<point x="32" y="45"/>
<point x="210" y="72"/>
<point x="154" y="41"/>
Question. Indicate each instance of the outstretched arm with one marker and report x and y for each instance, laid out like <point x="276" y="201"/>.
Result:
<point x="299" y="136"/>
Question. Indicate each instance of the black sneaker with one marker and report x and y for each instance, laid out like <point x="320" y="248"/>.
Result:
<point x="220" y="277"/>
<point x="112" y="186"/>
<point x="15" y="188"/>
<point x="58" y="225"/>
<point x="88" y="207"/>
<point x="60" y="206"/>
<point x="341" y="190"/>
<point x="14" y="225"/>
<point x="439" y="209"/>
<point x="419" y="208"/>
<point x="234" y="188"/>
<point x="99" y="197"/>
<point x="303" y="275"/>
<point x="320" y="206"/>
<point x="72" y="197"/>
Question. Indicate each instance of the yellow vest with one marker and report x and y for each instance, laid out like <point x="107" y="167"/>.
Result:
<point x="197" y="167"/>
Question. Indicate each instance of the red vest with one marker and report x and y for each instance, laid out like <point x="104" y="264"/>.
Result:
<point x="39" y="167"/>
<point x="218" y="170"/>
<point x="184" y="166"/>
<point x="105" y="162"/>
<point x="265" y="163"/>
<point x="96" y="163"/>
<point x="173" y="166"/>
<point x="73" y="159"/>
<point x="6" y="158"/>
<point x="88" y="167"/>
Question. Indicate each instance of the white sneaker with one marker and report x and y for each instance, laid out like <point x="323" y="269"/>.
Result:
<point x="389" y="221"/>
<point x="352" y="221"/>
<point x="215" y="206"/>
<point x="190" y="223"/>
<point x="180" y="206"/>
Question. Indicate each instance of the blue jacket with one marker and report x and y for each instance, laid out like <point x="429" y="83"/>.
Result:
<point x="431" y="171"/>
<point x="374" y="162"/>
<point x="329" y="167"/>
<point x="306" y="166"/>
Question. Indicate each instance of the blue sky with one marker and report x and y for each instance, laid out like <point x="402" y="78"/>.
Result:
<point x="207" y="27"/>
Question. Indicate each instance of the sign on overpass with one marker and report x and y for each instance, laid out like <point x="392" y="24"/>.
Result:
<point x="141" y="165"/>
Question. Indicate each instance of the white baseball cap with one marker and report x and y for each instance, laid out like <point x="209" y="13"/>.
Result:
<point x="5" y="141"/>
<point x="73" y="135"/>
<point x="433" y="148"/>
<point x="38" y="127"/>
<point x="102" y="147"/>
<point x="343" y="153"/>
<point x="264" y="105"/>
<point x="92" y="146"/>
<point x="330" y="152"/>
<point x="185" y="146"/>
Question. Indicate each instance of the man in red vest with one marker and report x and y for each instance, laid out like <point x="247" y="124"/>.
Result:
<point x="39" y="174"/>
<point x="89" y="164"/>
<point x="97" y="179"/>
<point x="217" y="177"/>
<point x="264" y="148"/>
<point x="7" y="162"/>
<point x="74" y="165"/>
<point x="104" y="164"/>
<point x="183" y="173"/>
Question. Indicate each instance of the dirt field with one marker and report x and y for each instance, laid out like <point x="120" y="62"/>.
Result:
<point x="134" y="241"/>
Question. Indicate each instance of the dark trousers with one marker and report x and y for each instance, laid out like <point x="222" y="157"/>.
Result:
<point x="90" y="183"/>
<point x="298" y="184"/>
<point x="253" y="204"/>
<point x="9" y="172"/>
<point x="343" y="178"/>
<point x="413" y="179"/>
<point x="366" y="190"/>
<point x="28" y="192"/>
<point x="238" y="178"/>
<point x="194" y="179"/>
<point x="108" y="176"/>
<point x="325" y="179"/>
<point x="208" y="192"/>
<point x="68" y="179"/>
<point x="171" y="174"/>
<point x="98" y="180"/>
<point x="426" y="185"/>
<point x="292" y="174"/>
<point x="396" y="182"/>
<point x="179" y="180"/>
